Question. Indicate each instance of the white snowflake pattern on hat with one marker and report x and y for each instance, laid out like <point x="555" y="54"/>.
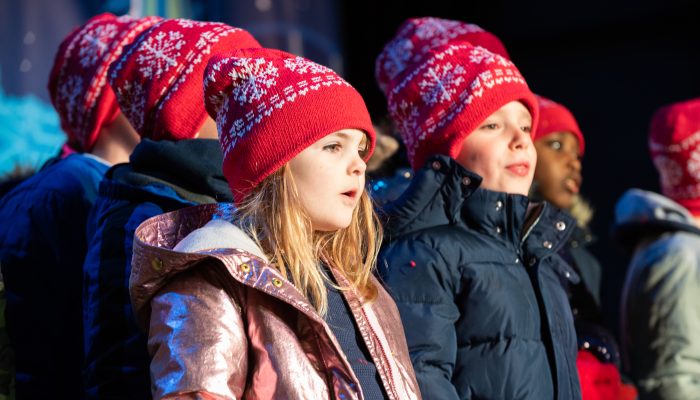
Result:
<point x="480" y="55"/>
<point x="670" y="171"/>
<point x="440" y="83"/>
<point x="442" y="87"/>
<point x="254" y="76"/>
<point x="95" y="42"/>
<point x="398" y="54"/>
<point x="133" y="101"/>
<point x="188" y="23"/>
<point x="221" y="117"/>
<point x="440" y="31"/>
<point x="69" y="97"/>
<point x="432" y="27"/>
<point x="693" y="166"/>
<point x="159" y="53"/>
<point x="237" y="130"/>
<point x="303" y="66"/>
<point x="126" y="19"/>
<point x="406" y="116"/>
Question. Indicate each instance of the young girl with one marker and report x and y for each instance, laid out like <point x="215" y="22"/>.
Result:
<point x="472" y="264"/>
<point x="275" y="299"/>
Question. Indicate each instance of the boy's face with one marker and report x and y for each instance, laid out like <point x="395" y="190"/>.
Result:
<point x="558" y="172"/>
<point x="501" y="151"/>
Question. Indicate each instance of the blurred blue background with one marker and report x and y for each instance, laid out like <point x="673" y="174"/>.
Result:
<point x="32" y="30"/>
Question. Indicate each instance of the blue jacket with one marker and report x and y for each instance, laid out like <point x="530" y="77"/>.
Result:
<point x="161" y="177"/>
<point x="42" y="248"/>
<point x="477" y="280"/>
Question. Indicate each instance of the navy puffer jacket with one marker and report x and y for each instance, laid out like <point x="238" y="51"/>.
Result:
<point x="478" y="283"/>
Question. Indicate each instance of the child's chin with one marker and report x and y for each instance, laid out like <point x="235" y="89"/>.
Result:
<point x="332" y="226"/>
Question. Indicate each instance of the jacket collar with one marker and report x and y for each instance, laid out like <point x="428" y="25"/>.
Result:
<point x="192" y="168"/>
<point x="445" y="193"/>
<point x="640" y="213"/>
<point x="433" y="198"/>
<point x="155" y="260"/>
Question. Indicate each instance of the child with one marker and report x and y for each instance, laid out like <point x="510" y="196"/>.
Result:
<point x="560" y="145"/>
<point x="158" y="84"/>
<point x="659" y="308"/>
<point x="413" y="39"/>
<point x="42" y="234"/>
<point x="471" y="262"/>
<point x="280" y="303"/>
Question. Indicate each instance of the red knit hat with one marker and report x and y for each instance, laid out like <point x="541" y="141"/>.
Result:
<point x="554" y="117"/>
<point x="158" y="79"/>
<point x="270" y="105"/>
<point x="674" y="144"/>
<point x="77" y="84"/>
<point x="418" y="35"/>
<point x="441" y="99"/>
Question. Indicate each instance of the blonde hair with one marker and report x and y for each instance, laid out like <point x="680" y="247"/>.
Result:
<point x="274" y="217"/>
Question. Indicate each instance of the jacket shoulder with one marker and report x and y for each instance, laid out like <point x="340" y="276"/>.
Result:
<point x="197" y="326"/>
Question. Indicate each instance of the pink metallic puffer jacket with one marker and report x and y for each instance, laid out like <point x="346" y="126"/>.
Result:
<point x="224" y="324"/>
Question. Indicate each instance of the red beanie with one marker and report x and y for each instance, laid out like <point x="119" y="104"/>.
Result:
<point x="270" y="105"/>
<point x="418" y="35"/>
<point x="444" y="97"/>
<point x="158" y="79"/>
<point x="554" y="117"/>
<point x="78" y="81"/>
<point x="674" y="144"/>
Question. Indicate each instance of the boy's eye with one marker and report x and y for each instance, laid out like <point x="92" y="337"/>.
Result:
<point x="526" y="129"/>
<point x="489" y="126"/>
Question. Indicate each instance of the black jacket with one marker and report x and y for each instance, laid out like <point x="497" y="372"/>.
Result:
<point x="477" y="279"/>
<point x="162" y="176"/>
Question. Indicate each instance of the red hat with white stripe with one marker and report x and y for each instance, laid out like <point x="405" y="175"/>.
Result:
<point x="270" y="105"/>
<point x="78" y="82"/>
<point x="158" y="79"/>
<point x="439" y="100"/>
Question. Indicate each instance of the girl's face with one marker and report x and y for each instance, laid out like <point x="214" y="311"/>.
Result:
<point x="330" y="176"/>
<point x="500" y="150"/>
<point x="558" y="172"/>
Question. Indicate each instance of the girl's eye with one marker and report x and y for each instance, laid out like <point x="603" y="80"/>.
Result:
<point x="555" y="144"/>
<point x="490" y="126"/>
<point x="333" y="147"/>
<point x="362" y="150"/>
<point x="526" y="129"/>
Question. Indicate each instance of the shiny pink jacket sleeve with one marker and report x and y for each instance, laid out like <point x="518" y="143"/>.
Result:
<point x="197" y="341"/>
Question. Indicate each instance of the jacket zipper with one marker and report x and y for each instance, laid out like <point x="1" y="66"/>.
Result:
<point x="383" y="353"/>
<point x="532" y="226"/>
